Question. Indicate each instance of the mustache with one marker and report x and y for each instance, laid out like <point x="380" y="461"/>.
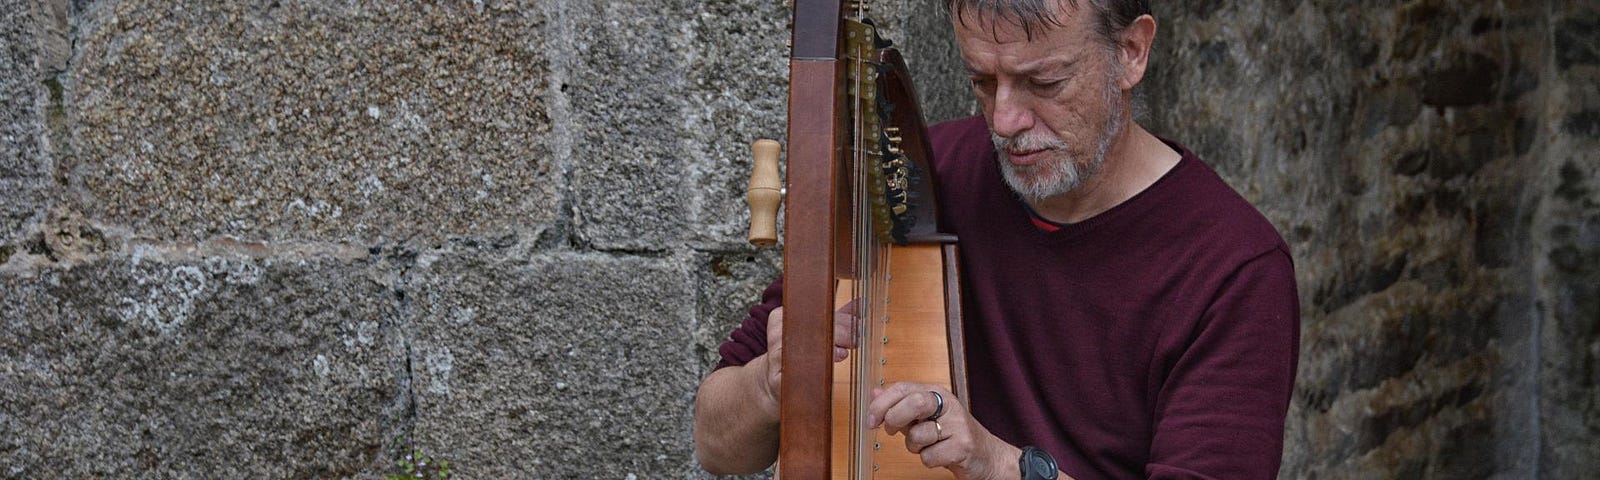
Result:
<point x="1026" y="143"/>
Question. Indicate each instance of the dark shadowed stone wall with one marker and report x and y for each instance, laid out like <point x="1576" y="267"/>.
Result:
<point x="1432" y="164"/>
<point x="267" y="239"/>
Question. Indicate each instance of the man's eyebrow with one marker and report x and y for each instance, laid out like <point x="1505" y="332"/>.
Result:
<point x="1047" y="65"/>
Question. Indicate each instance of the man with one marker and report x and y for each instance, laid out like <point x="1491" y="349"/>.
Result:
<point x="1128" y="315"/>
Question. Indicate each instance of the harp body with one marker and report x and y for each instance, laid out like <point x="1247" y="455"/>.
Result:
<point x="913" y="345"/>
<point x="857" y="137"/>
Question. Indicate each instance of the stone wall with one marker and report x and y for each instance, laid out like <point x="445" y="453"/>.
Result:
<point x="269" y="238"/>
<point x="1433" y="166"/>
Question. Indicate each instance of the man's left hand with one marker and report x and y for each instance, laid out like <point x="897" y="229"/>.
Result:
<point x="951" y="439"/>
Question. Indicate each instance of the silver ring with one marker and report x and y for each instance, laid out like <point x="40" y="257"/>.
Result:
<point x="938" y="431"/>
<point x="938" y="411"/>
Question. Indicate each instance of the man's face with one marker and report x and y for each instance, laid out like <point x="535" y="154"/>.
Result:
<point x="1053" y="103"/>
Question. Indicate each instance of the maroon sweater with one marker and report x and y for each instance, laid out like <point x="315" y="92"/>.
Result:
<point x="1155" y="340"/>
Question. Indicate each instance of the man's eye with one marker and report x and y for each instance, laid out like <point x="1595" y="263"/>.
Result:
<point x="1046" y="83"/>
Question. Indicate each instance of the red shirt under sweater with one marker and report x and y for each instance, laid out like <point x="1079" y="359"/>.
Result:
<point x="1155" y="340"/>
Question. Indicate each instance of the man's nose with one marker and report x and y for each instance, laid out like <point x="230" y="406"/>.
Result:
<point x="1012" y="113"/>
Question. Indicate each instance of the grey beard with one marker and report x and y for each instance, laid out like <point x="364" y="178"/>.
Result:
<point x="1046" y="179"/>
<point x="1062" y="173"/>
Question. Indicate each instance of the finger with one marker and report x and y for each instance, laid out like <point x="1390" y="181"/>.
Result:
<point x="895" y="408"/>
<point x="840" y="353"/>
<point x="943" y="454"/>
<point x="903" y="404"/>
<point x="774" y="349"/>
<point x="845" y="335"/>
<point x="845" y="324"/>
<point x="923" y="434"/>
<point x="775" y="328"/>
<point x="850" y="307"/>
<point x="918" y="405"/>
<point x="904" y="414"/>
<point x="957" y="448"/>
<point x="882" y="400"/>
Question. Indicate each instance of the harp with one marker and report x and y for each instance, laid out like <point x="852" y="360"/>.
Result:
<point x="861" y="223"/>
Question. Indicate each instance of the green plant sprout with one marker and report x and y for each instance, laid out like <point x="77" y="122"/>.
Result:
<point x="418" y="465"/>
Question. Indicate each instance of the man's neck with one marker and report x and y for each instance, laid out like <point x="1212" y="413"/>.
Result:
<point x="1135" y="161"/>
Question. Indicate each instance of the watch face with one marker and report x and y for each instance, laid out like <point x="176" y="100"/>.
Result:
<point x="1036" y="464"/>
<point x="1041" y="464"/>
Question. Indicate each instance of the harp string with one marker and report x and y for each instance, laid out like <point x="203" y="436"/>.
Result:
<point x="869" y="290"/>
<point x="860" y="457"/>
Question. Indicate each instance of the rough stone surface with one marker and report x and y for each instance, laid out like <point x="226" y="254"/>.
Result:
<point x="24" y="139"/>
<point x="621" y="70"/>
<point x="1397" y="147"/>
<point x="1566" y="252"/>
<point x="727" y="285"/>
<point x="204" y="366"/>
<point x="737" y="85"/>
<point x="523" y="370"/>
<point x="327" y="121"/>
<point x="1567" y="273"/>
<point x="676" y="149"/>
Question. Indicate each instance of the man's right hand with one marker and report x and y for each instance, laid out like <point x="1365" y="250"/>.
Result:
<point x="730" y="437"/>
<point x="844" y="340"/>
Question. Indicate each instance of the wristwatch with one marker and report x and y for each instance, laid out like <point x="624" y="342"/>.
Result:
<point x="1037" y="465"/>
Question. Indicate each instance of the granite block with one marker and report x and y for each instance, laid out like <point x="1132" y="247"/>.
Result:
<point x="622" y="74"/>
<point x="203" y="367"/>
<point x="327" y="121"/>
<point x="525" y="369"/>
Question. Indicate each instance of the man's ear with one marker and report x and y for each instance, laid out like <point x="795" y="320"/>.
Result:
<point x="1133" y="50"/>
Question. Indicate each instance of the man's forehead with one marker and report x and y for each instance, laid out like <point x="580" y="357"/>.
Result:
<point x="1048" y="63"/>
<point x="1005" y="22"/>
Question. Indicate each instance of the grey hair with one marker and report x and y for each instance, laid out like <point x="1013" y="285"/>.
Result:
<point x="1033" y="15"/>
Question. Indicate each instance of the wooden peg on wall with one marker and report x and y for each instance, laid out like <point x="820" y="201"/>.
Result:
<point x="765" y="193"/>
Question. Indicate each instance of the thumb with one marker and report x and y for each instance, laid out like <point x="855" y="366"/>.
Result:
<point x="775" y="329"/>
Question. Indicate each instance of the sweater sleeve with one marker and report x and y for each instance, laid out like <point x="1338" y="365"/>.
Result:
<point x="750" y="340"/>
<point x="1220" y="413"/>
